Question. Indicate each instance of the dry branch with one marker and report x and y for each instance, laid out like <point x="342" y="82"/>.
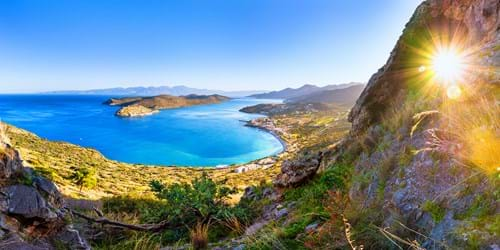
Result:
<point x="105" y="221"/>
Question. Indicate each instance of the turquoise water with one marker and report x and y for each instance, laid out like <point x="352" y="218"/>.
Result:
<point x="206" y="135"/>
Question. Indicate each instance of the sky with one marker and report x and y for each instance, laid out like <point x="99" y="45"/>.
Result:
<point x="214" y="44"/>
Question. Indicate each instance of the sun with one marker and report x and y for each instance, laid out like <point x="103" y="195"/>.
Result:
<point x="448" y="65"/>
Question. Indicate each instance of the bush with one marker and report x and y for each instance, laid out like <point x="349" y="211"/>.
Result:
<point x="201" y="201"/>
<point x="198" y="212"/>
<point x="84" y="177"/>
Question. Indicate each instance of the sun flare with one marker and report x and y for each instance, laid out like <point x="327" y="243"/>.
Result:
<point x="448" y="65"/>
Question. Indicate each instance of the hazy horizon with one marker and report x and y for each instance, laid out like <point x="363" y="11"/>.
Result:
<point x="170" y="86"/>
<point x="245" y="45"/>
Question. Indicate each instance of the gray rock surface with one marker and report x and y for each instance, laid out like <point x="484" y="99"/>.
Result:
<point x="25" y="201"/>
<point x="31" y="208"/>
<point x="296" y="172"/>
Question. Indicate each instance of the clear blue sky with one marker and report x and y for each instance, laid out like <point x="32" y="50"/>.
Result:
<point x="217" y="44"/>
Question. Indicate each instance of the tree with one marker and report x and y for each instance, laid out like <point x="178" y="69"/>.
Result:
<point x="84" y="177"/>
<point x="198" y="202"/>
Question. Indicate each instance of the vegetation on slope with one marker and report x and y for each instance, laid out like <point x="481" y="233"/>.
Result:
<point x="58" y="161"/>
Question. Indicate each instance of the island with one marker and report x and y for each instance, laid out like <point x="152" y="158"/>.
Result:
<point x="142" y="106"/>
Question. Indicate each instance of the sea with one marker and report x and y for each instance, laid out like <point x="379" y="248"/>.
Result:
<point x="198" y="136"/>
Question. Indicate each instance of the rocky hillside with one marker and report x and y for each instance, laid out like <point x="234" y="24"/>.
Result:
<point x="426" y="161"/>
<point x="302" y="91"/>
<point x="140" y="106"/>
<point x="32" y="211"/>
<point x="321" y="99"/>
<point x="345" y="96"/>
<point x="419" y="168"/>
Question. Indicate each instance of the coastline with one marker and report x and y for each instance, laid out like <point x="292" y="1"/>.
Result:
<point x="119" y="178"/>
<point x="271" y="130"/>
<point x="267" y="125"/>
<point x="249" y="144"/>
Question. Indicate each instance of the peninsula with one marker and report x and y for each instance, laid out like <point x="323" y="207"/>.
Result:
<point x="142" y="106"/>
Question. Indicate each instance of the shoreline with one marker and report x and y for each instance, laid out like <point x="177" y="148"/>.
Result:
<point x="251" y="124"/>
<point x="119" y="178"/>
<point x="248" y="123"/>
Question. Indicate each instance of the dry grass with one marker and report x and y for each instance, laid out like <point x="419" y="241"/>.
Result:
<point x="479" y="126"/>
<point x="199" y="236"/>
<point x="55" y="159"/>
<point x="235" y="225"/>
<point x="348" y="235"/>
<point x="469" y="132"/>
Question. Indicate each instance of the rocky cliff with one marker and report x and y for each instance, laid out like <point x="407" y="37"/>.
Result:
<point x="472" y="25"/>
<point x="424" y="158"/>
<point x="32" y="211"/>
<point x="425" y="150"/>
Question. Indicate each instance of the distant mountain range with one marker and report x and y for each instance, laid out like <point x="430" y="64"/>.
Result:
<point x="305" y="90"/>
<point x="344" y="96"/>
<point x="312" y="99"/>
<point x="154" y="91"/>
<point x="180" y="90"/>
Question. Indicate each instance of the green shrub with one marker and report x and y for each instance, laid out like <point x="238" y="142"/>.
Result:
<point x="189" y="207"/>
<point x="84" y="177"/>
<point x="48" y="173"/>
<point x="202" y="200"/>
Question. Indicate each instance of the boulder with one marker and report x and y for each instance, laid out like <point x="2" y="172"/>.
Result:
<point x="49" y="189"/>
<point x="72" y="239"/>
<point x="27" y="202"/>
<point x="296" y="172"/>
<point x="250" y="194"/>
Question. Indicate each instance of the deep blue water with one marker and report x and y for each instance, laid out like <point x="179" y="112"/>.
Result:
<point x="206" y="135"/>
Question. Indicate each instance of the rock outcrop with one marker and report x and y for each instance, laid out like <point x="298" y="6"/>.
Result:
<point x="296" y="172"/>
<point x="32" y="212"/>
<point x="472" y="23"/>
<point x="411" y="141"/>
<point x="142" y="106"/>
<point x="425" y="163"/>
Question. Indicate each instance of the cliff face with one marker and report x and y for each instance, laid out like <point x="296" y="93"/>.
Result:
<point x="475" y="23"/>
<point x="424" y="158"/>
